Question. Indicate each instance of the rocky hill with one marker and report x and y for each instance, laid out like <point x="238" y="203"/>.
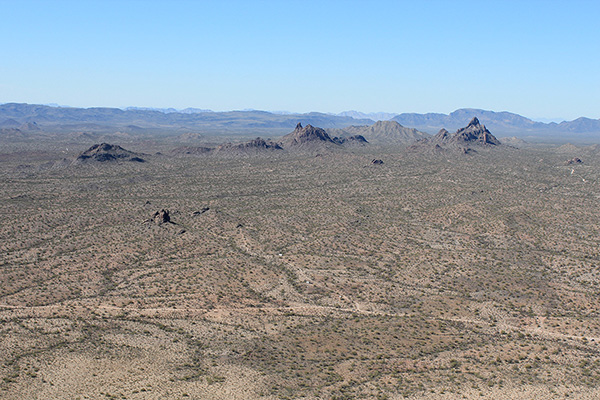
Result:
<point x="105" y="152"/>
<point x="314" y="138"/>
<point x="473" y="133"/>
<point x="466" y="140"/>
<point x="356" y="140"/>
<point x="306" y="136"/>
<point x="254" y="146"/>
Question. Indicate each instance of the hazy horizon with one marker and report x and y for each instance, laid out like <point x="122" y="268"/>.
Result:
<point x="163" y="109"/>
<point x="530" y="58"/>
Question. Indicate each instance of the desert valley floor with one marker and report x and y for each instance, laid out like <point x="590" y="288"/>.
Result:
<point x="435" y="275"/>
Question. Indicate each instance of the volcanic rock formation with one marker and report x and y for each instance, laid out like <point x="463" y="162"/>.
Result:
<point x="306" y="135"/>
<point x="474" y="133"/>
<point x="105" y="152"/>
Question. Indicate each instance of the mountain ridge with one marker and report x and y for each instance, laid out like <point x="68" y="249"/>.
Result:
<point x="382" y="132"/>
<point x="71" y="119"/>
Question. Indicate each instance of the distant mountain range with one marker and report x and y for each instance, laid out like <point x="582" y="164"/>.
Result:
<point x="188" y="110"/>
<point x="382" y="132"/>
<point x="504" y="123"/>
<point x="140" y="121"/>
<point x="376" y="116"/>
<point x="101" y="119"/>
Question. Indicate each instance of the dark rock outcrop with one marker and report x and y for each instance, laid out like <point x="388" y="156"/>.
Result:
<point x="356" y="140"/>
<point x="191" y="151"/>
<point x="161" y="217"/>
<point x="105" y="152"/>
<point x="257" y="145"/>
<point x="574" y="160"/>
<point x="204" y="209"/>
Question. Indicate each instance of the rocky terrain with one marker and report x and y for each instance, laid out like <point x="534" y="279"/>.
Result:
<point x="254" y="146"/>
<point x="473" y="133"/>
<point x="467" y="140"/>
<point x="310" y="138"/>
<point x="374" y="272"/>
<point x="307" y="138"/>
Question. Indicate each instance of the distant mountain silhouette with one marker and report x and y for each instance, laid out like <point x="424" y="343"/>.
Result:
<point x="505" y="123"/>
<point x="102" y="119"/>
<point x="375" y="116"/>
<point x="142" y="121"/>
<point x="10" y="123"/>
<point x="383" y="132"/>
<point x="498" y="121"/>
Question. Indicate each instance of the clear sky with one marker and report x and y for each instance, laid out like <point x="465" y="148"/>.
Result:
<point x="535" y="58"/>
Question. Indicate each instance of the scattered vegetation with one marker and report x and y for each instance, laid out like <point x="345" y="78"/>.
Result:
<point x="430" y="276"/>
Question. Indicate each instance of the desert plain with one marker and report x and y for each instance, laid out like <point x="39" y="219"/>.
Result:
<point x="302" y="275"/>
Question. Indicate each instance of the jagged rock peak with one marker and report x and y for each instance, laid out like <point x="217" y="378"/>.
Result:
<point x="474" y="122"/>
<point x="442" y="133"/>
<point x="306" y="134"/>
<point x="474" y="132"/>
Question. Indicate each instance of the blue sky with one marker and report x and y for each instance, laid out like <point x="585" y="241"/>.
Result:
<point x="535" y="58"/>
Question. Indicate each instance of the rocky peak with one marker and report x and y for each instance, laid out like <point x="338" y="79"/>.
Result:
<point x="474" y="132"/>
<point x="442" y="134"/>
<point x="307" y="134"/>
<point x="474" y="122"/>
